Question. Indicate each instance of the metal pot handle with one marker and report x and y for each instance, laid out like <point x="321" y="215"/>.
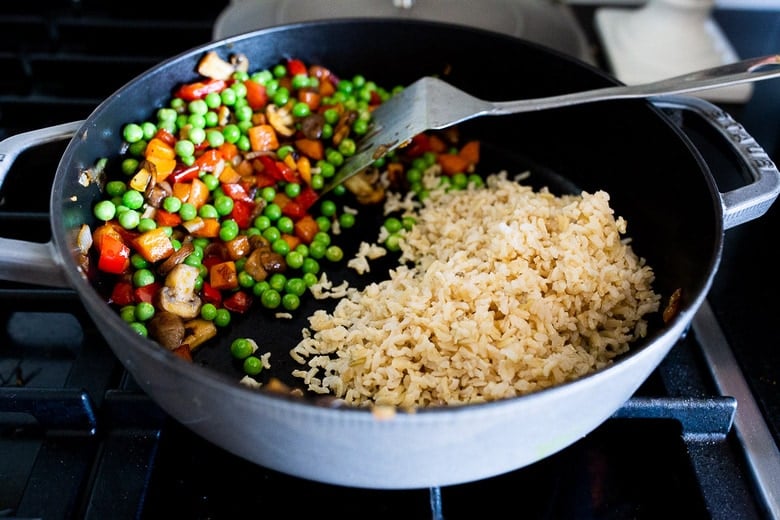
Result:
<point x="754" y="199"/>
<point x="31" y="262"/>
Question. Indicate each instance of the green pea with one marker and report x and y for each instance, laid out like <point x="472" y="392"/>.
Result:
<point x="184" y="148"/>
<point x="146" y="224"/>
<point x="133" y="199"/>
<point x="241" y="348"/>
<point x="197" y="135"/>
<point x="334" y="253"/>
<point x="215" y="138"/>
<point x="172" y="204"/>
<point x="231" y="133"/>
<point x="327" y="169"/>
<point x="328" y="208"/>
<point x="129" y="219"/>
<point x="347" y="147"/>
<point x="323" y="223"/>
<point x="260" y="287"/>
<point x="301" y="109"/>
<point x="223" y="204"/>
<point x="262" y="222"/>
<point x="295" y="286"/>
<point x="277" y="281"/>
<point x="127" y="313"/>
<point x="322" y="237"/>
<point x="347" y="220"/>
<point x="294" y="259"/>
<point x="273" y="211"/>
<point x="132" y="133"/>
<point x="268" y="193"/>
<point x="270" y="299"/>
<point x="285" y="224"/>
<point x="280" y="246"/>
<point x="393" y="224"/>
<point x="253" y="365"/>
<point x="245" y="280"/>
<point x="310" y="265"/>
<point x="104" y="210"/>
<point x="139" y="328"/>
<point x="208" y="311"/>
<point x="208" y="211"/>
<point x="228" y="230"/>
<point x="291" y="301"/>
<point x="310" y="279"/>
<point x="144" y="311"/>
<point x="222" y="318"/>
<point x="392" y="242"/>
<point x="115" y="188"/>
<point x="292" y="189"/>
<point x="188" y="211"/>
<point x="317" y="250"/>
<point x="272" y="234"/>
<point x="138" y="262"/>
<point x="129" y="166"/>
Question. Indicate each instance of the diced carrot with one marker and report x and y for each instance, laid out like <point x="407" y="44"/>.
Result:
<point x="223" y="275"/>
<point x="245" y="168"/>
<point x="228" y="151"/>
<point x="102" y="231"/>
<point x="305" y="228"/>
<point x="166" y="218"/>
<point x="291" y="240"/>
<point x="310" y="97"/>
<point x="311" y="148"/>
<point x="238" y="247"/>
<point x="452" y="163"/>
<point x="153" y="245"/>
<point x="209" y="160"/>
<point x="202" y="227"/>
<point x="470" y="152"/>
<point x="437" y="144"/>
<point x="326" y="88"/>
<point x="262" y="138"/>
<point x="229" y="175"/>
<point x="183" y="351"/>
<point x="281" y="199"/>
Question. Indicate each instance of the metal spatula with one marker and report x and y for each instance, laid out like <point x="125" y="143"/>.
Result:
<point x="432" y="104"/>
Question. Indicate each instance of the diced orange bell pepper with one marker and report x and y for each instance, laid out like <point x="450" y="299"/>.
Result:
<point x="452" y="163"/>
<point x="262" y="138"/>
<point x="199" y="193"/>
<point x="470" y="152"/>
<point x="159" y="148"/>
<point x="311" y="148"/>
<point x="305" y="228"/>
<point x="154" y="245"/>
<point x="223" y="275"/>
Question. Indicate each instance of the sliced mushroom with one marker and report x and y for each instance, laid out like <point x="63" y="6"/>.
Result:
<point x="312" y="125"/>
<point x="281" y="119"/>
<point x="176" y="258"/>
<point x="178" y="296"/>
<point x="212" y="66"/>
<point x="167" y="328"/>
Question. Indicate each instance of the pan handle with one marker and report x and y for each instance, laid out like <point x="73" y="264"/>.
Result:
<point x="754" y="199"/>
<point x="31" y="262"/>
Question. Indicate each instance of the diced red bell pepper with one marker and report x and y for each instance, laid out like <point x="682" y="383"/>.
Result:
<point x="307" y="197"/>
<point x="199" y="89"/>
<point x="293" y="210"/>
<point x="114" y="255"/>
<point x="184" y="174"/>
<point x="375" y="98"/>
<point x="287" y="173"/>
<point x="211" y="260"/>
<point x="122" y="294"/>
<point x="418" y="146"/>
<point x="183" y="351"/>
<point x="295" y="67"/>
<point x="242" y="213"/>
<point x="209" y="160"/>
<point x="166" y="218"/>
<point x="166" y="137"/>
<point x="210" y="294"/>
<point x="256" y="95"/>
<point x="147" y="293"/>
<point x="236" y="192"/>
<point x="239" y="301"/>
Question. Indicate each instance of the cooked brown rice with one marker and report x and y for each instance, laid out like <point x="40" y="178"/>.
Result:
<point x="501" y="291"/>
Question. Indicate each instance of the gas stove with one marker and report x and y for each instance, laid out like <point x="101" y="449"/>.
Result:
<point x="79" y="439"/>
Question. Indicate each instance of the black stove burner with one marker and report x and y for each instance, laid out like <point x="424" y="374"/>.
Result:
<point x="79" y="439"/>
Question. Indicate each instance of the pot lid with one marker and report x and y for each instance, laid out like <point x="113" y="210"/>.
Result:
<point x="548" y="23"/>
